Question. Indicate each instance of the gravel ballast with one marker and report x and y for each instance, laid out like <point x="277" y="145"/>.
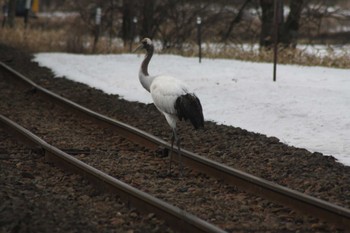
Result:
<point x="312" y="173"/>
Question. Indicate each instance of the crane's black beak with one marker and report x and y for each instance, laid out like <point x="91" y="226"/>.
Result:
<point x="138" y="48"/>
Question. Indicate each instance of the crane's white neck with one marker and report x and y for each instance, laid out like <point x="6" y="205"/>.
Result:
<point x="145" y="79"/>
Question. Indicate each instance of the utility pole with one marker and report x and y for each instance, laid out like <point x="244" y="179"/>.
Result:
<point x="277" y="19"/>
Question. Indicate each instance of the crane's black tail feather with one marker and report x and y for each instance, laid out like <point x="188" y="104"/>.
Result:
<point x="189" y="107"/>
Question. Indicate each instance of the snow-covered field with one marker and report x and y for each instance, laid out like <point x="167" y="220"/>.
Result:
<point x="307" y="107"/>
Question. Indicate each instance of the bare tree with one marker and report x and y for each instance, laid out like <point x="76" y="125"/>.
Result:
<point x="12" y="13"/>
<point x="266" y="33"/>
<point x="326" y="20"/>
<point x="128" y="14"/>
<point x="173" y="22"/>
<point x="288" y="31"/>
<point x="235" y="20"/>
<point x="181" y="22"/>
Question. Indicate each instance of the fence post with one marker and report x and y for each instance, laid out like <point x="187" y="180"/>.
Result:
<point x="97" y="27"/>
<point x="199" y="36"/>
<point x="277" y="19"/>
<point x="133" y="29"/>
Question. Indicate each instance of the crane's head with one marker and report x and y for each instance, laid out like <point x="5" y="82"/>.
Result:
<point x="146" y="43"/>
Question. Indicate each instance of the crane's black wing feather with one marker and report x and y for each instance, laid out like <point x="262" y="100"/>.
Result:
<point x="189" y="107"/>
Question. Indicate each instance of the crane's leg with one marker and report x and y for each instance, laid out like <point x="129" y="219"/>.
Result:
<point x="179" y="155"/>
<point x="175" y="138"/>
<point x="171" y="151"/>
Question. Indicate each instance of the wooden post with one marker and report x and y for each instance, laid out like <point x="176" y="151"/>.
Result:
<point x="278" y="20"/>
<point x="97" y="27"/>
<point x="199" y="36"/>
<point x="275" y="39"/>
<point x="132" y="32"/>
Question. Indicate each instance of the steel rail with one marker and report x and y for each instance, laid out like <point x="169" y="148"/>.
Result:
<point x="177" y="218"/>
<point x="334" y="214"/>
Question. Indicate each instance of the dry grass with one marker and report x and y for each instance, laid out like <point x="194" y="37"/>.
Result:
<point x="285" y="55"/>
<point x="59" y="36"/>
<point x="38" y="40"/>
<point x="294" y="56"/>
<point x="75" y="41"/>
<point x="33" y="40"/>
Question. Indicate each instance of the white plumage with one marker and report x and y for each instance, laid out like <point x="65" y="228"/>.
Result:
<point x="165" y="90"/>
<point x="170" y="95"/>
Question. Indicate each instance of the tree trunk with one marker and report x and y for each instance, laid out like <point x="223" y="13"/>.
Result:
<point x="127" y="20"/>
<point x="235" y="21"/>
<point x="12" y="13"/>
<point x="288" y="31"/>
<point x="266" y="34"/>
<point x="148" y="18"/>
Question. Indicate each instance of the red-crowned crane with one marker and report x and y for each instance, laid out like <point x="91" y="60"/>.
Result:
<point x="171" y="97"/>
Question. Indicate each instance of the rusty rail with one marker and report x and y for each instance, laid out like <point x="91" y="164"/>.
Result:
<point x="298" y="201"/>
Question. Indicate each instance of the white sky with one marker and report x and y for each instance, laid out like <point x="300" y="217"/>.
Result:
<point x="307" y="107"/>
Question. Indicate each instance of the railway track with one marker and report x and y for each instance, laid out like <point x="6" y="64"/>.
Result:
<point x="243" y="181"/>
<point x="177" y="218"/>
